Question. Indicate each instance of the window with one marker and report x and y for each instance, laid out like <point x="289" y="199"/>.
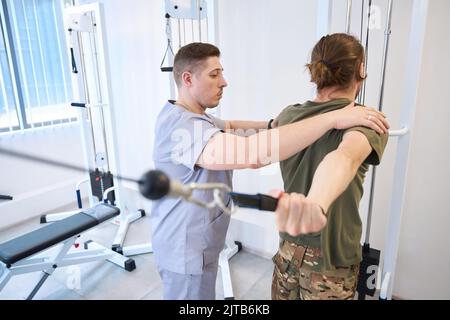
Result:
<point x="35" y="74"/>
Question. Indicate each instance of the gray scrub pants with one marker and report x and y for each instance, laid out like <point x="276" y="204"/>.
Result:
<point x="179" y="286"/>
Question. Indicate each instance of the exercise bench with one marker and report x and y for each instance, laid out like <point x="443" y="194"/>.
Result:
<point x="28" y="253"/>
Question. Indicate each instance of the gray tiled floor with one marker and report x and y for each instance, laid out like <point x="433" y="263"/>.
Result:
<point x="251" y="275"/>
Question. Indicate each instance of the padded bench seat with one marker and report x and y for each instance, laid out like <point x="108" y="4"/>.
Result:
<point x="28" y="244"/>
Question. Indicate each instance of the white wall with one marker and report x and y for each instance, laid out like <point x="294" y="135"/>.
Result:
<point x="264" y="50"/>
<point x="38" y="188"/>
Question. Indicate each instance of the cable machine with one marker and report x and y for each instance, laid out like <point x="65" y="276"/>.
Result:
<point x="371" y="257"/>
<point x="91" y="93"/>
<point x="407" y="118"/>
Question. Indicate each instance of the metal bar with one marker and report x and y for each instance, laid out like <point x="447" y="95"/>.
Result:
<point x="362" y="96"/>
<point x="370" y="210"/>
<point x="199" y="11"/>
<point x="99" y="91"/>
<point x="57" y="258"/>
<point x="348" y="19"/>
<point x="407" y="116"/>
<point x="86" y="87"/>
<point x="387" y="36"/>
<point x="179" y="33"/>
<point x="170" y="59"/>
<point x="192" y="30"/>
<point x="5" y="275"/>
<point x="30" y="261"/>
<point x="87" y="95"/>
<point x="38" y="286"/>
<point x="363" y="3"/>
<point x="207" y="29"/>
<point x="398" y="133"/>
<point x="184" y="31"/>
<point x="85" y="257"/>
<point x="380" y="107"/>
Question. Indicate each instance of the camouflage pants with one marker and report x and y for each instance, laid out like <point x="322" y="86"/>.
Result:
<point x="298" y="275"/>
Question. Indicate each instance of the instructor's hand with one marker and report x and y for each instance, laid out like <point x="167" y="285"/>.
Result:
<point x="297" y="215"/>
<point x="352" y="116"/>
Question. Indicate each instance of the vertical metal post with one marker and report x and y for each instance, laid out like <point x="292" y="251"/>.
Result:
<point x="348" y="20"/>
<point x="179" y="33"/>
<point x="86" y="93"/>
<point x="387" y="36"/>
<point x="99" y="88"/>
<point x="361" y="34"/>
<point x="184" y="32"/>
<point x="192" y="29"/>
<point x="407" y="118"/>
<point x="362" y="96"/>
<point x="170" y="59"/>
<point x="199" y="11"/>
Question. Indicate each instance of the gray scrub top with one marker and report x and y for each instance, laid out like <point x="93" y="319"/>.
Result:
<point x="187" y="237"/>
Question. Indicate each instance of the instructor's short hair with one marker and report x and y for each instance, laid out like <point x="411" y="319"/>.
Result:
<point x="191" y="57"/>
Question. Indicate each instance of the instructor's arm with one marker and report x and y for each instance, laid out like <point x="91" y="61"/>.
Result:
<point x="228" y="152"/>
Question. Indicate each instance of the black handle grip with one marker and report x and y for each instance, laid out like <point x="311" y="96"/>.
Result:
<point x="268" y="203"/>
<point x="6" y="197"/>
<point x="259" y="201"/>
<point x="166" y="69"/>
<point x="80" y="203"/>
<point x="74" y="64"/>
<point x="78" y="104"/>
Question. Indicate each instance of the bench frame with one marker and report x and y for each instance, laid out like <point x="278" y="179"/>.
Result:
<point x="67" y="255"/>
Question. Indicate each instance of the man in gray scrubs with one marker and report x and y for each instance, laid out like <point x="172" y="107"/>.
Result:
<point x="194" y="147"/>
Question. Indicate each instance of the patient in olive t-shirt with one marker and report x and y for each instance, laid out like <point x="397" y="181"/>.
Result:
<point x="340" y="240"/>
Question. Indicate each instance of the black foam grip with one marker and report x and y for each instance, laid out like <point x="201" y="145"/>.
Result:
<point x="166" y="69"/>
<point x="74" y="65"/>
<point x="268" y="203"/>
<point x="78" y="104"/>
<point x="80" y="203"/>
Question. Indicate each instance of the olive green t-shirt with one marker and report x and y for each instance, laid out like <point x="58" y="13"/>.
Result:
<point x="340" y="239"/>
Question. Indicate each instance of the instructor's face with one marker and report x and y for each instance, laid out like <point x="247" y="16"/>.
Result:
<point x="208" y="83"/>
